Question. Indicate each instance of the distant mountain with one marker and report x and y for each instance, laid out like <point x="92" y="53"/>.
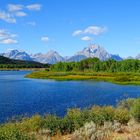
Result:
<point x="94" y="50"/>
<point x="129" y="57"/>
<point x="16" y="54"/>
<point x="116" y="57"/>
<point x="76" y="58"/>
<point x="138" y="56"/>
<point x="51" y="57"/>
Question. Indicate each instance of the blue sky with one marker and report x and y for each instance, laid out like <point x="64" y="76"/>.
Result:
<point x="68" y="26"/>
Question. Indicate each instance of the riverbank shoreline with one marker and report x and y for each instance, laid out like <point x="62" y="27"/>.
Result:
<point x="102" y="122"/>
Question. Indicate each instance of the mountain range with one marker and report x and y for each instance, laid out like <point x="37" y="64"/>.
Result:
<point x="52" y="57"/>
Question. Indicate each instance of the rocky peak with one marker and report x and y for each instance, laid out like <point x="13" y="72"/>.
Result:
<point x="94" y="50"/>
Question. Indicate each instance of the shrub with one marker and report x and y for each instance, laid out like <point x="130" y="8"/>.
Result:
<point x="74" y="116"/>
<point x="90" y="131"/>
<point x="108" y="113"/>
<point x="52" y="123"/>
<point x="74" y="119"/>
<point x="122" y="79"/>
<point x="96" y="115"/>
<point x="135" y="110"/>
<point x="122" y="115"/>
<point x="86" y="116"/>
<point x="66" y="126"/>
<point x="10" y="132"/>
<point x="128" y="103"/>
<point x="86" y="132"/>
<point x="101" y="114"/>
<point x="31" y="124"/>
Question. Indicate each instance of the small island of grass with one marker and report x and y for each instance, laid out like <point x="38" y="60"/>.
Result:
<point x="120" y="72"/>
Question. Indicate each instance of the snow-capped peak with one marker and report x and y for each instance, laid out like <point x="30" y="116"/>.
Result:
<point x="94" y="50"/>
<point x="16" y="54"/>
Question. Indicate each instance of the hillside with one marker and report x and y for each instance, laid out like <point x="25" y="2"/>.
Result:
<point x="11" y="63"/>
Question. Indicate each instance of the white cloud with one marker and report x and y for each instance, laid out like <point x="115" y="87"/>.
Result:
<point x="32" y="23"/>
<point x="95" y="30"/>
<point x="34" y="7"/>
<point x="20" y="14"/>
<point x="86" y="38"/>
<point x="19" y="7"/>
<point x="14" y="7"/>
<point x="17" y="10"/>
<point x="3" y="33"/>
<point x="91" y="30"/>
<point x="8" y="41"/>
<point x="7" y="38"/>
<point x="7" y="17"/>
<point x="6" y="34"/>
<point x="45" y="39"/>
<point x="77" y="32"/>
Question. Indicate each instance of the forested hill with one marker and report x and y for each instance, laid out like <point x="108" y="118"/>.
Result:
<point x="10" y="63"/>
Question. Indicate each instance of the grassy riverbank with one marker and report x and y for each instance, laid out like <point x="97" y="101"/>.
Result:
<point x="97" y="123"/>
<point x="119" y="78"/>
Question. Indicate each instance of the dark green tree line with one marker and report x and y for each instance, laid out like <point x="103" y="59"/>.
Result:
<point x="94" y="64"/>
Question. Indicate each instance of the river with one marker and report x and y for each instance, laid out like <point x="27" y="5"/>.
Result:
<point x="19" y="95"/>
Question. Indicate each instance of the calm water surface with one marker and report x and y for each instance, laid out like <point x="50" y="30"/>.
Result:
<point x="19" y="95"/>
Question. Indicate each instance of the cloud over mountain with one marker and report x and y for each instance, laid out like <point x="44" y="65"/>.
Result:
<point x="88" y="33"/>
<point x="93" y="30"/>
<point x="45" y="39"/>
<point x="86" y="38"/>
<point x="77" y="32"/>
